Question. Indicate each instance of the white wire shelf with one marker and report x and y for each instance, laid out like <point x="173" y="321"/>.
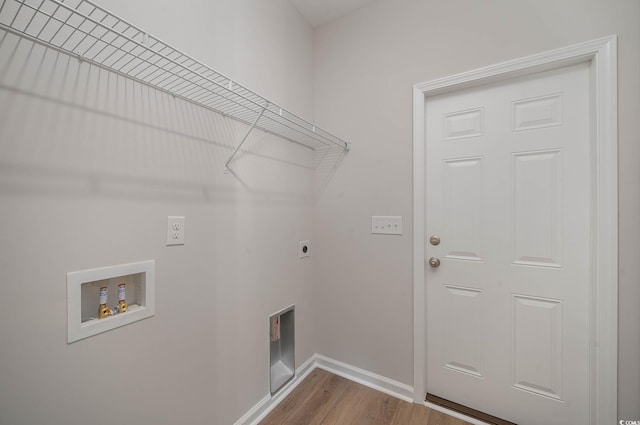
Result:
<point x="93" y="34"/>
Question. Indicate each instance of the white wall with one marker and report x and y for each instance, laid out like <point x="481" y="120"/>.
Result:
<point x="365" y="65"/>
<point x="265" y="45"/>
<point x="91" y="165"/>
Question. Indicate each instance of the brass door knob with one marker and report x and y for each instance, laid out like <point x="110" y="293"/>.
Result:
<point x="434" y="262"/>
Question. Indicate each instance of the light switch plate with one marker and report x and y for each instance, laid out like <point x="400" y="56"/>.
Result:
<point x="175" y="230"/>
<point x="386" y="225"/>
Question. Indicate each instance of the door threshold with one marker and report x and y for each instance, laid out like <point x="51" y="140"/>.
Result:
<point x="476" y="414"/>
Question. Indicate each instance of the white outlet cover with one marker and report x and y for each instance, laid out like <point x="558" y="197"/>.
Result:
<point x="302" y="252"/>
<point x="175" y="230"/>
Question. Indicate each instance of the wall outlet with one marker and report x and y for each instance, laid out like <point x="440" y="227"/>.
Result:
<point x="304" y="249"/>
<point x="386" y="225"/>
<point x="175" y="230"/>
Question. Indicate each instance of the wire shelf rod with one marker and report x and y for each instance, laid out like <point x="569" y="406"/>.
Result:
<point x="226" y="164"/>
<point x="157" y="64"/>
<point x="237" y="117"/>
<point x="163" y="67"/>
<point x="158" y="69"/>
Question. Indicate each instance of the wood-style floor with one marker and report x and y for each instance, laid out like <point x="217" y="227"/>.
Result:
<point x="326" y="399"/>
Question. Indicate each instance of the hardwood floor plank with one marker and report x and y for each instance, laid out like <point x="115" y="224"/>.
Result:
<point x="347" y="410"/>
<point x="439" y="418"/>
<point x="410" y="414"/>
<point x="362" y="406"/>
<point x="327" y="399"/>
<point x="297" y="399"/>
<point x="387" y="409"/>
<point x="310" y="403"/>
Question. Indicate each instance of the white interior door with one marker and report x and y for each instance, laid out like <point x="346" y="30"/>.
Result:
<point x="508" y="189"/>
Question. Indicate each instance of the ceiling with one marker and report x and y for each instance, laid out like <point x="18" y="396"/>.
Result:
<point x="319" y="12"/>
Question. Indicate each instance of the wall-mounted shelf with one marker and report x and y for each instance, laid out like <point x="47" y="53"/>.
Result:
<point x="84" y="29"/>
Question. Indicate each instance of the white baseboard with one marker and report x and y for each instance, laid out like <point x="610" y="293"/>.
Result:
<point x="361" y="376"/>
<point x="353" y="373"/>
<point x="366" y="378"/>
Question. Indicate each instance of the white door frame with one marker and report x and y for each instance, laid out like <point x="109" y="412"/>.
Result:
<point x="601" y="54"/>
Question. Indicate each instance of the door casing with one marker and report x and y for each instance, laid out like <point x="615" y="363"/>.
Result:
<point x="601" y="54"/>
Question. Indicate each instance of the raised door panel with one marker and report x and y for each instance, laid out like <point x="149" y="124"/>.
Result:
<point x="537" y="346"/>
<point x="463" y="124"/>
<point x="540" y="112"/>
<point x="537" y="208"/>
<point x="462" y="330"/>
<point x="463" y="208"/>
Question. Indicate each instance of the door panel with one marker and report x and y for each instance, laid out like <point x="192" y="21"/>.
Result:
<point x="508" y="191"/>
<point x="537" y="215"/>
<point x="537" y="345"/>
<point x="463" y="182"/>
<point x="531" y="114"/>
<point x="462" y="344"/>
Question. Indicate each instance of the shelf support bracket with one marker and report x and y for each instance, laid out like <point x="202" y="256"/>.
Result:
<point x="246" y="136"/>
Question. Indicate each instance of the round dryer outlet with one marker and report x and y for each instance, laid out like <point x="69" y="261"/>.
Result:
<point x="304" y="250"/>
